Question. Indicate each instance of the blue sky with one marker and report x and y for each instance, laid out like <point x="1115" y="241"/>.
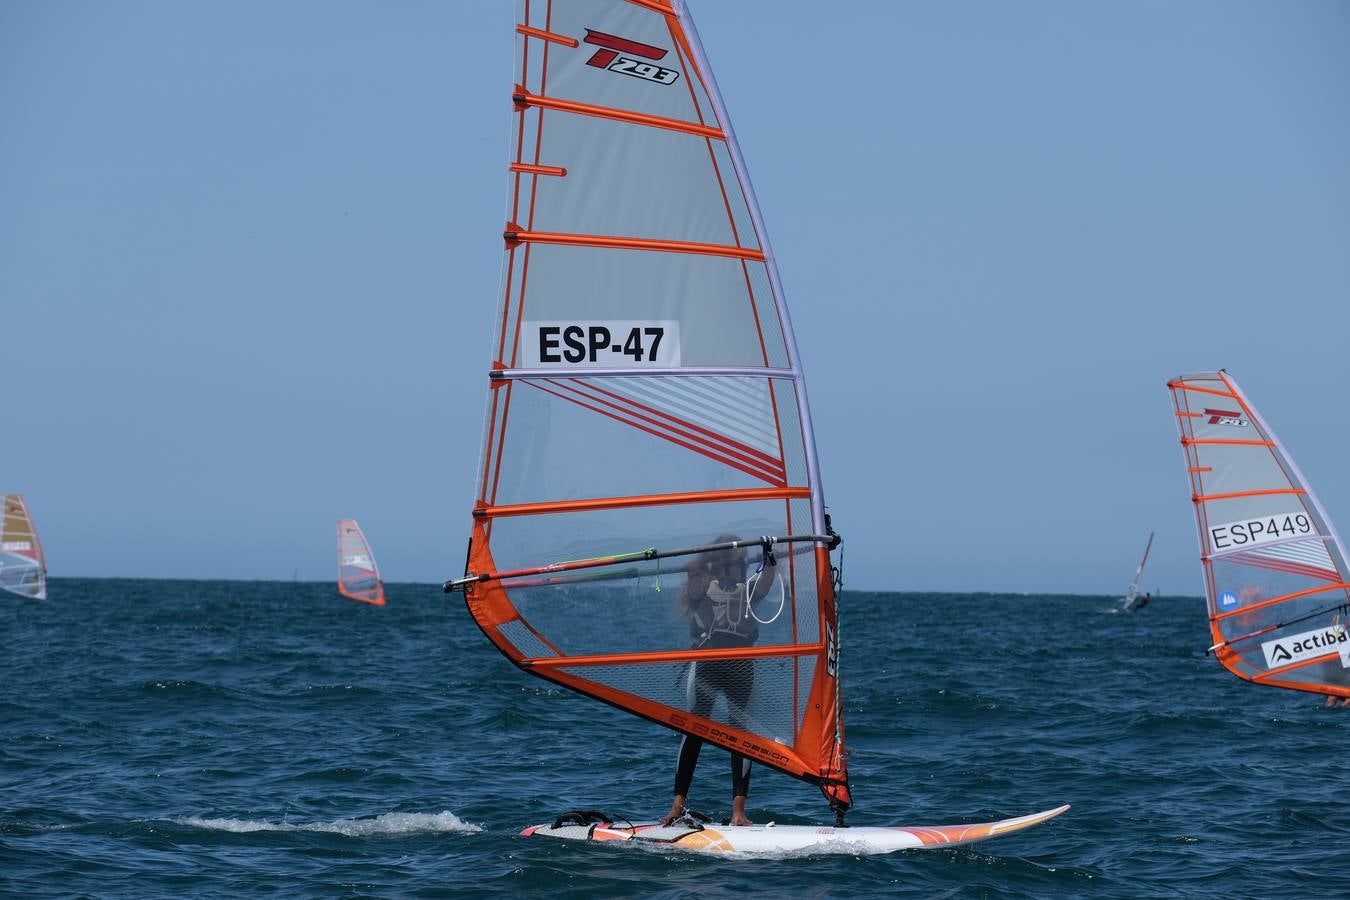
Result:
<point x="249" y="258"/>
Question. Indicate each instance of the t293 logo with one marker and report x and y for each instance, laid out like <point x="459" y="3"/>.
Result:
<point x="611" y="56"/>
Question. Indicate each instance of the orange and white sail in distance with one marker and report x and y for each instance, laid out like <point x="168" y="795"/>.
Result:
<point x="1275" y="569"/>
<point x="358" y="576"/>
<point x="645" y="395"/>
<point x="23" y="569"/>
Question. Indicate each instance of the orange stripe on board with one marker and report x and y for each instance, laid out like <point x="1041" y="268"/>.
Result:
<point x="1177" y="385"/>
<point x="1188" y="441"/>
<point x="620" y="659"/>
<point x="529" y="169"/>
<point x="547" y="36"/>
<point x="515" y="235"/>
<point x="1207" y="497"/>
<point x="1264" y="603"/>
<point x="566" y="506"/>
<point x="524" y="98"/>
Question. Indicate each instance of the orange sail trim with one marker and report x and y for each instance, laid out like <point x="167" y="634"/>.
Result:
<point x="524" y="98"/>
<point x="1176" y="385"/>
<point x="517" y="235"/>
<point x="566" y="506"/>
<point x="1186" y="442"/>
<point x="1236" y="494"/>
<point x="530" y="169"/>
<point x="654" y="5"/>
<point x="1293" y="667"/>
<point x="547" y="36"/>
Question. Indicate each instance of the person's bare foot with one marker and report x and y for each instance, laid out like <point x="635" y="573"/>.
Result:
<point x="738" y="816"/>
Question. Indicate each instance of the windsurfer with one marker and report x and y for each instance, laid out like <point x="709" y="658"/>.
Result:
<point x="1142" y="600"/>
<point x="718" y="601"/>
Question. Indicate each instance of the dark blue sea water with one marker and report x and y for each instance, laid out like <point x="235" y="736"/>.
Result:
<point x="180" y="738"/>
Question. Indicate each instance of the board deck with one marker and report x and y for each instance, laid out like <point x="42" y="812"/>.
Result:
<point x="771" y="838"/>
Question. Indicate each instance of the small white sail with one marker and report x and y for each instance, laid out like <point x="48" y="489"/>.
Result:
<point x="23" y="569"/>
<point x="1132" y="594"/>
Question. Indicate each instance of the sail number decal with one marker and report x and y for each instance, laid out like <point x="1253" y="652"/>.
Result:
<point x="610" y="57"/>
<point x="618" y="343"/>
<point x="1260" y="530"/>
<point x="16" y="545"/>
<point x="1295" y="648"/>
<point x="640" y="69"/>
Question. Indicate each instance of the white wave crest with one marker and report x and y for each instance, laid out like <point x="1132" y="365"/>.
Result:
<point x="387" y="824"/>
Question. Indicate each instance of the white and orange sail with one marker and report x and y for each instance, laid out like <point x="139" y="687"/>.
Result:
<point x="646" y="408"/>
<point x="1275" y="569"/>
<point x="358" y="576"/>
<point x="23" y="569"/>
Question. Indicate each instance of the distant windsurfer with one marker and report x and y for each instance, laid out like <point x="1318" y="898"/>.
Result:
<point x="1142" y="600"/>
<point x="718" y="603"/>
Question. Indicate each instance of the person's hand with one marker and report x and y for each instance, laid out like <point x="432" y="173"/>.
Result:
<point x="676" y="810"/>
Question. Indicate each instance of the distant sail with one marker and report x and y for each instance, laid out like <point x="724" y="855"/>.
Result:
<point x="358" y="576"/>
<point x="646" y="402"/>
<point x="23" y="569"/>
<point x="1133" y="593"/>
<point x="1275" y="569"/>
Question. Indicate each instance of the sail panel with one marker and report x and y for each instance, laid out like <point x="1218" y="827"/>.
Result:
<point x="722" y="307"/>
<point x="574" y="438"/>
<point x="358" y="575"/>
<point x="634" y="180"/>
<point x="1275" y="571"/>
<point x="23" y="568"/>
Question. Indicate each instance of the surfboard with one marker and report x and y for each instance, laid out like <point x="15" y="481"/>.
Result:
<point x="773" y="838"/>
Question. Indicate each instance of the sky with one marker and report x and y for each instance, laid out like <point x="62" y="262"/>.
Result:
<point x="249" y="256"/>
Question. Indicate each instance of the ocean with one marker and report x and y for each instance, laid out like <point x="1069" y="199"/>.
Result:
<point x="210" y="738"/>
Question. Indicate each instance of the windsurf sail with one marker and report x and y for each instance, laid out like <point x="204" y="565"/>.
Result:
<point x="358" y="576"/>
<point x="23" y="569"/>
<point x="647" y="420"/>
<point x="1133" y="593"/>
<point x="1275" y="569"/>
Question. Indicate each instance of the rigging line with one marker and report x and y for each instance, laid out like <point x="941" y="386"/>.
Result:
<point x="459" y="584"/>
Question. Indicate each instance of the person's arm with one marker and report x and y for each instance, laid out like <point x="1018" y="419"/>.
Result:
<point x="696" y="587"/>
<point x="766" y="579"/>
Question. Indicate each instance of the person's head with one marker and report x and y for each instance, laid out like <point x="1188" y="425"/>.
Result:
<point x="727" y="566"/>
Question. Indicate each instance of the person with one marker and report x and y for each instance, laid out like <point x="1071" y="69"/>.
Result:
<point x="719" y="604"/>
<point x="1142" y="600"/>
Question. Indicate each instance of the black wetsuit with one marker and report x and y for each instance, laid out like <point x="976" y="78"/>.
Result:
<point x="719" y="619"/>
